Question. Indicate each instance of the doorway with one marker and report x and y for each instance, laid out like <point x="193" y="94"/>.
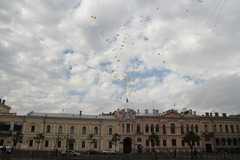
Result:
<point x="127" y="145"/>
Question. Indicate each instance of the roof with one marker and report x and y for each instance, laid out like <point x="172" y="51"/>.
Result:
<point x="126" y="116"/>
<point x="73" y="116"/>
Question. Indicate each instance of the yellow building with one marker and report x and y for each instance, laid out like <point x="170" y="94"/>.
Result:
<point x="220" y="133"/>
<point x="56" y="127"/>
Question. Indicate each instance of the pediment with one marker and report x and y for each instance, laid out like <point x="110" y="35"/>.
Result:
<point x="172" y="114"/>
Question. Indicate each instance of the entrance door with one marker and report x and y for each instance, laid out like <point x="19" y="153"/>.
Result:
<point x="127" y="145"/>
<point x="209" y="147"/>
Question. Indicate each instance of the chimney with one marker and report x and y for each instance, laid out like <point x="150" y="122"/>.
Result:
<point x="138" y="111"/>
<point x="190" y="111"/>
<point x="0" y="100"/>
<point x="207" y="114"/>
<point x="224" y="114"/>
<point x="194" y="112"/>
<point x="80" y="113"/>
<point x="154" y="111"/>
<point x="211" y="114"/>
<point x="146" y="111"/>
<point x="216" y="114"/>
<point x="3" y="102"/>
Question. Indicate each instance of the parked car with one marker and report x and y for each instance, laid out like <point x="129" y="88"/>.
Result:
<point x="92" y="151"/>
<point x="5" y="149"/>
<point x="71" y="153"/>
<point x="108" y="152"/>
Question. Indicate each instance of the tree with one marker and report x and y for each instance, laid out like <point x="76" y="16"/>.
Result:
<point x="17" y="138"/>
<point x="91" y="140"/>
<point x="69" y="141"/>
<point x="56" y="140"/>
<point x="154" y="139"/>
<point x="39" y="139"/>
<point x="191" y="138"/>
<point x="115" y="140"/>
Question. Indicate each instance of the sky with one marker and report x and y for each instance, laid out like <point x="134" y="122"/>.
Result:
<point x="59" y="56"/>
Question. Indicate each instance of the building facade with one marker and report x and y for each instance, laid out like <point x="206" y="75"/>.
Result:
<point x="218" y="133"/>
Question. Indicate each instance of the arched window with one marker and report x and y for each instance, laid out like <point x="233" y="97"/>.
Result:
<point x="60" y="129"/>
<point x="84" y="130"/>
<point x="215" y="128"/>
<point x="146" y="128"/>
<point x="182" y="129"/>
<point x="139" y="140"/>
<point x="220" y="128"/>
<point x="192" y="128"/>
<point x="138" y="128"/>
<point x="152" y="128"/>
<point x="95" y="130"/>
<point x="187" y="128"/>
<point x="72" y="128"/>
<point x="206" y="128"/>
<point x="172" y="127"/>
<point x="226" y="128"/>
<point x="157" y="128"/>
<point x="237" y="128"/>
<point x="196" y="128"/>
<point x="48" y="129"/>
<point x="164" y="129"/>
<point x="232" y="129"/>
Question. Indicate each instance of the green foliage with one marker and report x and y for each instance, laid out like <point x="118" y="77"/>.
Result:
<point x="39" y="138"/>
<point x="115" y="140"/>
<point x="91" y="139"/>
<point x="17" y="138"/>
<point x="191" y="138"/>
<point x="154" y="139"/>
<point x="56" y="139"/>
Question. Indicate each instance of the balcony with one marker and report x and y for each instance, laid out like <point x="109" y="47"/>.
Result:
<point x="208" y="134"/>
<point x="139" y="133"/>
<point x="6" y="133"/>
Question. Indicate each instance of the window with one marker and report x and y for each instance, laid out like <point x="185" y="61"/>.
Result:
<point x="1" y="142"/>
<point x="83" y="144"/>
<point x="237" y="127"/>
<point x="33" y="128"/>
<point x="215" y="128"/>
<point x="147" y="142"/>
<point x="232" y="129"/>
<point x="157" y="128"/>
<point x="164" y="142"/>
<point x="187" y="128"/>
<point x="138" y="128"/>
<point x="109" y="144"/>
<point x="95" y="130"/>
<point x="164" y="129"/>
<point x="128" y="128"/>
<point x="152" y="128"/>
<point x="46" y="143"/>
<point x="123" y="128"/>
<point x="60" y="129"/>
<point x="206" y="128"/>
<point x="183" y="143"/>
<point x="139" y="140"/>
<point x="110" y="131"/>
<point x="48" y="129"/>
<point x="84" y="130"/>
<point x="30" y="143"/>
<point x="59" y="144"/>
<point x="146" y="128"/>
<point x="226" y="128"/>
<point x="182" y="129"/>
<point x="192" y="128"/>
<point x="95" y="144"/>
<point x="174" y="142"/>
<point x="172" y="127"/>
<point x="5" y="126"/>
<point x="17" y="127"/>
<point x="220" y="128"/>
<point x="72" y="129"/>
<point x="196" y="128"/>
<point x="158" y="143"/>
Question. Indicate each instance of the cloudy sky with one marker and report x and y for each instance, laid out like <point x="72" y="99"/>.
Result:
<point x="71" y="55"/>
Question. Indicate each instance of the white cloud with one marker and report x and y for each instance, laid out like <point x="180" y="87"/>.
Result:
<point x="149" y="38"/>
